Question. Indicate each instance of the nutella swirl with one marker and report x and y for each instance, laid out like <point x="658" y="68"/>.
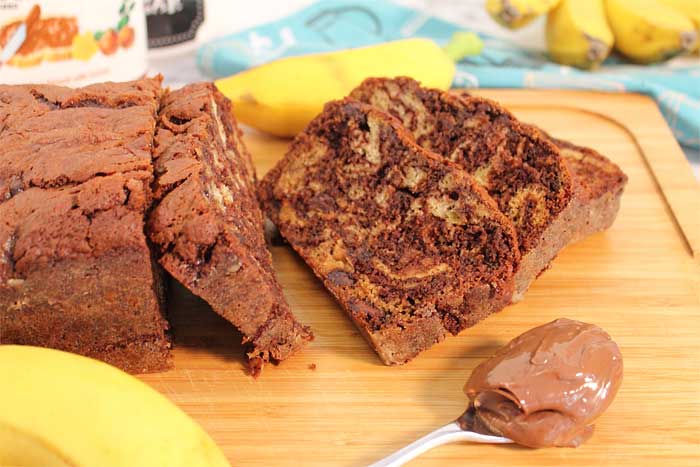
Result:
<point x="547" y="386"/>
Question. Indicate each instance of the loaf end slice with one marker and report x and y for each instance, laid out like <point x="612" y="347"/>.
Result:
<point x="410" y="246"/>
<point x="598" y="184"/>
<point x="598" y="187"/>
<point x="522" y="170"/>
<point x="207" y="226"/>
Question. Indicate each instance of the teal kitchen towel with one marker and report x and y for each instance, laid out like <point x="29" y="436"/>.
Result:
<point x="338" y="24"/>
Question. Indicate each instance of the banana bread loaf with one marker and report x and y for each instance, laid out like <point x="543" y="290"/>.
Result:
<point x="75" y="269"/>
<point x="409" y="244"/>
<point x="520" y="168"/>
<point x="206" y="224"/>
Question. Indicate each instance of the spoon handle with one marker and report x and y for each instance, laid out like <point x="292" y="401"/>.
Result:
<point x="447" y="434"/>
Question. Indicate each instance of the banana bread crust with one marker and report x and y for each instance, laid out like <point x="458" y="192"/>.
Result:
<point x="409" y="245"/>
<point x="207" y="226"/>
<point x="76" y="272"/>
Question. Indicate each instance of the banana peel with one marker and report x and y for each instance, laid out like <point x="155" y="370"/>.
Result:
<point x="515" y="14"/>
<point x="578" y="34"/>
<point x="648" y="31"/>
<point x="689" y="8"/>
<point x="62" y="409"/>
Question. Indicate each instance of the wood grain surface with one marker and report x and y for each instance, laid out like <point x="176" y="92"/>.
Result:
<point x="639" y="281"/>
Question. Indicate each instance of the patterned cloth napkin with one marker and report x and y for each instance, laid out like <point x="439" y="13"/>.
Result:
<point x="337" y="24"/>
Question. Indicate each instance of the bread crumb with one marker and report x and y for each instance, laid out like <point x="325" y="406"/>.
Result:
<point x="312" y="366"/>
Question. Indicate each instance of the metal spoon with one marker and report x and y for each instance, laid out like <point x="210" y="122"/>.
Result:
<point x="459" y="430"/>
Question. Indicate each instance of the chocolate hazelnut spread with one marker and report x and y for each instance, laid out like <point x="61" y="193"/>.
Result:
<point x="547" y="386"/>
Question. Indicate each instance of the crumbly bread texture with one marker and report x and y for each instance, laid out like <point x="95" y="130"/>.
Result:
<point x="520" y="168"/>
<point x="409" y="244"/>
<point x="207" y="226"/>
<point x="75" y="184"/>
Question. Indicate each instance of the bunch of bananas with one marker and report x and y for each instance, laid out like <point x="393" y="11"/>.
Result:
<point x="582" y="33"/>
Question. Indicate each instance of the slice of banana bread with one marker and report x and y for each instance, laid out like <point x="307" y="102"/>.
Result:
<point x="521" y="169"/>
<point x="408" y="243"/>
<point x="207" y="226"/>
<point x="76" y="272"/>
<point x="598" y="184"/>
<point x="598" y="187"/>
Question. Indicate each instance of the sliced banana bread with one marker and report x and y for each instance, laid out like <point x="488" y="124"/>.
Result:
<point x="598" y="187"/>
<point x="520" y="168"/>
<point x="207" y="226"/>
<point x="409" y="244"/>
<point x="598" y="184"/>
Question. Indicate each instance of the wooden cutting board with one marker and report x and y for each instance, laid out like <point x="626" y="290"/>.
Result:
<point x="335" y="404"/>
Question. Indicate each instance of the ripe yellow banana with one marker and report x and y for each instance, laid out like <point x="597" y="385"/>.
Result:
<point x="691" y="9"/>
<point x="61" y="409"/>
<point x="647" y="31"/>
<point x="281" y="97"/>
<point x="515" y="14"/>
<point x="578" y="33"/>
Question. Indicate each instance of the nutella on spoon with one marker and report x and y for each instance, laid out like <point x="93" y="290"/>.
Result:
<point x="546" y="386"/>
